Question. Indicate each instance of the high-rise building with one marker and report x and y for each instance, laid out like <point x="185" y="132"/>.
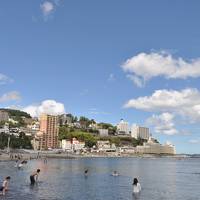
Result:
<point x="49" y="128"/>
<point x="4" y="116"/>
<point x="123" y="127"/>
<point x="140" y="132"/>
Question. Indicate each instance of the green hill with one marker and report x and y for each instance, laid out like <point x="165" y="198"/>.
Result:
<point x="16" y="113"/>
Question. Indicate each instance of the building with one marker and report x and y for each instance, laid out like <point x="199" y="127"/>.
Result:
<point x="152" y="147"/>
<point x="66" y="145"/>
<point x="65" y="119"/>
<point x="123" y="128"/>
<point x="77" y="145"/>
<point x="4" y="116"/>
<point x="49" y="127"/>
<point x="72" y="145"/>
<point x="35" y="142"/>
<point x="28" y="131"/>
<point x="103" y="132"/>
<point x="105" y="146"/>
<point x="4" y="129"/>
<point x="139" y="132"/>
<point x="35" y="126"/>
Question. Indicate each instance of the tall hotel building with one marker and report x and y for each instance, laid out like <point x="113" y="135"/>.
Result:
<point x="123" y="127"/>
<point x="49" y="132"/>
<point x="140" y="132"/>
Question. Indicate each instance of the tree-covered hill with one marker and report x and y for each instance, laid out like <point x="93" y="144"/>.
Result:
<point x="16" y="113"/>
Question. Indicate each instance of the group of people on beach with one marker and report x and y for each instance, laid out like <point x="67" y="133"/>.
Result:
<point x="35" y="174"/>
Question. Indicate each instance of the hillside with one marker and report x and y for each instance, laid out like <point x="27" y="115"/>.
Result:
<point x="16" y="113"/>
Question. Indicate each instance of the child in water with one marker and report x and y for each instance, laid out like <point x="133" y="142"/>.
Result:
<point x="136" y="186"/>
<point x="4" y="186"/>
<point x="34" y="176"/>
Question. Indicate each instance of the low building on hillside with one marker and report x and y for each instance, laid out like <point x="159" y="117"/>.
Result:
<point x="35" y="126"/>
<point x="65" y="119"/>
<point x="106" y="146"/>
<point x="152" y="147"/>
<point x="94" y="126"/>
<point x="72" y="145"/>
<point x="127" y="149"/>
<point x="27" y="120"/>
<point x="4" y="129"/>
<point x="4" y="116"/>
<point x="103" y="132"/>
<point x="77" y="145"/>
<point x="28" y="131"/>
<point x="66" y="145"/>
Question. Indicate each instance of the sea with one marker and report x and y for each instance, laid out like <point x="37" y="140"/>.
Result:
<point x="64" y="179"/>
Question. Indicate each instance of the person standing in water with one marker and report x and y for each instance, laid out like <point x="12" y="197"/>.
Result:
<point x="136" y="186"/>
<point x="34" y="176"/>
<point x="86" y="172"/>
<point x="4" y="186"/>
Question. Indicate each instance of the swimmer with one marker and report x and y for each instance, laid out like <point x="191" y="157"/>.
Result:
<point x="34" y="176"/>
<point x="136" y="186"/>
<point x="24" y="162"/>
<point x="115" y="173"/>
<point x="86" y="172"/>
<point x="20" y="165"/>
<point x="4" y="186"/>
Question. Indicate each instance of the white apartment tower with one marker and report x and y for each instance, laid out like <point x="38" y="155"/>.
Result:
<point x="123" y="127"/>
<point x="140" y="132"/>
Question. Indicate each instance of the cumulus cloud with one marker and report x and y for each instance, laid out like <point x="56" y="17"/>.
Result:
<point x="10" y="96"/>
<point x="163" y="123"/>
<point x="50" y="107"/>
<point x="185" y="103"/>
<point x="47" y="8"/>
<point x="144" y="67"/>
<point x="4" y="79"/>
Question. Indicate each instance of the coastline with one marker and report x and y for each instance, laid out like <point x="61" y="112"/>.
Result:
<point x="51" y="155"/>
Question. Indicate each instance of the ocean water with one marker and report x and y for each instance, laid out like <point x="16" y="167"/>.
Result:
<point x="160" y="178"/>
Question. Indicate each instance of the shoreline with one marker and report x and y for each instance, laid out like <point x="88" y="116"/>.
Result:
<point x="51" y="155"/>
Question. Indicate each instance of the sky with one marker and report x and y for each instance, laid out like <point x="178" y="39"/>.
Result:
<point x="106" y="60"/>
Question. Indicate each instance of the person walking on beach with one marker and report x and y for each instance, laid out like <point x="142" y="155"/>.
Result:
<point x="34" y="177"/>
<point x="136" y="186"/>
<point x="4" y="186"/>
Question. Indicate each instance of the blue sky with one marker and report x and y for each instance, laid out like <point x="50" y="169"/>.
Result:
<point x="93" y="57"/>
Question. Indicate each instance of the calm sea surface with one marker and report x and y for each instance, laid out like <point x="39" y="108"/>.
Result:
<point x="160" y="178"/>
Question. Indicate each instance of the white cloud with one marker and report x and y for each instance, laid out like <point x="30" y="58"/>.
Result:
<point x="194" y="141"/>
<point x="47" y="8"/>
<point x="111" y="77"/>
<point x="185" y="103"/>
<point x="50" y="107"/>
<point x="163" y="123"/>
<point x="136" y="80"/>
<point x="4" y="79"/>
<point x="10" y="96"/>
<point x="145" y="66"/>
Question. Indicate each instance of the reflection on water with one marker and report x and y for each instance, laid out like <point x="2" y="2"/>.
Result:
<point x="161" y="178"/>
